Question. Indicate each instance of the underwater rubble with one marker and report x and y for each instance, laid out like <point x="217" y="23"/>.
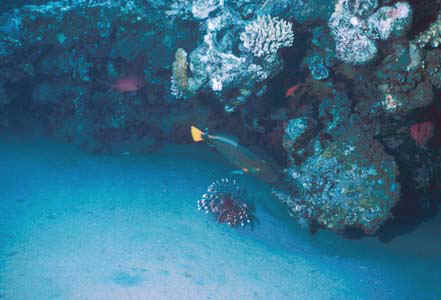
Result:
<point x="344" y="94"/>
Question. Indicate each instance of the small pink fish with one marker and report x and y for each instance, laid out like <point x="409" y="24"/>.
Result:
<point x="127" y="84"/>
<point x="292" y="90"/>
<point x="421" y="132"/>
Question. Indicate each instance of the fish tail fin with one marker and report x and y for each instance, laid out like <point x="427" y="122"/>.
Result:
<point x="196" y="134"/>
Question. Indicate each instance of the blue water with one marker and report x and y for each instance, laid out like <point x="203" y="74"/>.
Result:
<point x="81" y="226"/>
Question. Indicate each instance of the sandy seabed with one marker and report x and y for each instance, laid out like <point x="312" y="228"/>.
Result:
<point x="80" y="226"/>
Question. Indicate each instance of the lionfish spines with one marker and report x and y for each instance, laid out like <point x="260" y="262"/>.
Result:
<point x="225" y="199"/>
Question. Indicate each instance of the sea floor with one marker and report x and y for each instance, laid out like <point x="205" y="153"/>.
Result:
<point x="80" y="226"/>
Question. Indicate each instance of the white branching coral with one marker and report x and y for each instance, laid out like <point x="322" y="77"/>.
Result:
<point x="265" y="35"/>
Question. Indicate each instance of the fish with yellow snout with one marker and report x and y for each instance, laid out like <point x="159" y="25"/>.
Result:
<point x="247" y="161"/>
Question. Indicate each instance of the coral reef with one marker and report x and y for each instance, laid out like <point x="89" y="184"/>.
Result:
<point x="201" y="9"/>
<point x="317" y="67"/>
<point x="179" y="79"/>
<point x="431" y="36"/>
<point x="351" y="182"/>
<point x="355" y="29"/>
<point x="338" y="91"/>
<point x="215" y="68"/>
